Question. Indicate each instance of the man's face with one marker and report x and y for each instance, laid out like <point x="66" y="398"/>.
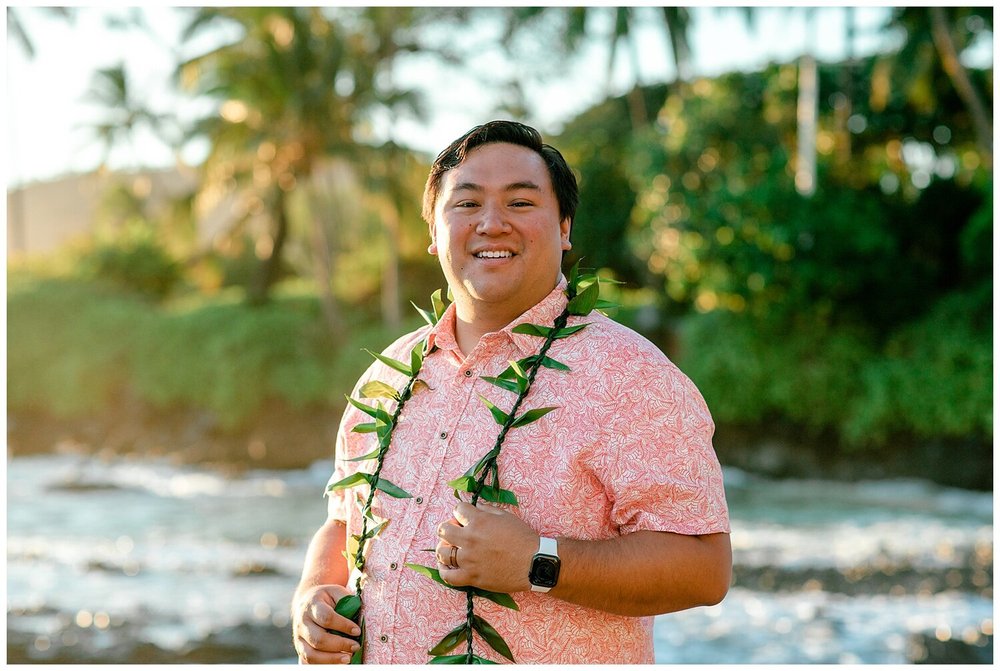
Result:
<point x="497" y="231"/>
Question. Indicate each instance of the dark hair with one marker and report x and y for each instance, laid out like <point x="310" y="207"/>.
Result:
<point x="512" y="132"/>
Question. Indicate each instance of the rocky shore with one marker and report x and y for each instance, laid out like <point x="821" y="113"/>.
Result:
<point x="282" y="437"/>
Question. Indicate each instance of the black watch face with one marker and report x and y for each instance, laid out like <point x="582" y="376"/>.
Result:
<point x="544" y="571"/>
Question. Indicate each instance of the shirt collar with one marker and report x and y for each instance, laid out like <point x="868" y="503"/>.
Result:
<point x="543" y="313"/>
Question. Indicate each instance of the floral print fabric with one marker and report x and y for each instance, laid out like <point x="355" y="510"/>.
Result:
<point x="629" y="448"/>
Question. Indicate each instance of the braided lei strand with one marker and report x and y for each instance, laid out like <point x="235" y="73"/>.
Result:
<point x="481" y="481"/>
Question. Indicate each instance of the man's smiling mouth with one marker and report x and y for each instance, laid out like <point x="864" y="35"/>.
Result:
<point x="493" y="255"/>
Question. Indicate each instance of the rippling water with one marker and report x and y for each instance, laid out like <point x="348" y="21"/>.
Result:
<point x="142" y="561"/>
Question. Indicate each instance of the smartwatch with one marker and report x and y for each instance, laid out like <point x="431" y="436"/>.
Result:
<point x="545" y="564"/>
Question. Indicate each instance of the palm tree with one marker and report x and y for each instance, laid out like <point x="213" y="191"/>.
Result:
<point x="935" y="38"/>
<point x="297" y="86"/>
<point x="124" y="112"/>
<point x="941" y="32"/>
<point x="674" y="22"/>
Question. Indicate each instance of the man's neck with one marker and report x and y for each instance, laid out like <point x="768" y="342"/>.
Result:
<point x="472" y="322"/>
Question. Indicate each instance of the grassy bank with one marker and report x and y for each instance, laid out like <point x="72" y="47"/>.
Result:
<point x="226" y="381"/>
<point x="75" y="349"/>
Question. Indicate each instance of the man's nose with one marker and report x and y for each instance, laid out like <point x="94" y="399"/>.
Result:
<point x="492" y="221"/>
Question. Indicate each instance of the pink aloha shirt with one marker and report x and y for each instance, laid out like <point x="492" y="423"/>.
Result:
<point x="629" y="448"/>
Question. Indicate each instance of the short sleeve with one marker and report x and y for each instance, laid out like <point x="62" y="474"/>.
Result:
<point x="336" y="501"/>
<point x="660" y="470"/>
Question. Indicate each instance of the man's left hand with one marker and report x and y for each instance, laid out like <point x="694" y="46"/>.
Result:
<point x="494" y="549"/>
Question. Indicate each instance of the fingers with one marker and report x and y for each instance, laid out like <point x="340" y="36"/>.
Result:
<point x="320" y="635"/>
<point x="326" y="617"/>
<point x="317" y="645"/>
<point x="464" y="513"/>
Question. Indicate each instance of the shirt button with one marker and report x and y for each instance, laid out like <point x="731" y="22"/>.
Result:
<point x="468" y="373"/>
<point x="393" y="566"/>
<point x="383" y="638"/>
<point x="443" y="435"/>
<point x="419" y="500"/>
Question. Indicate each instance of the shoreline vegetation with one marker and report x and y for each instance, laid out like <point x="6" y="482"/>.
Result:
<point x="95" y="370"/>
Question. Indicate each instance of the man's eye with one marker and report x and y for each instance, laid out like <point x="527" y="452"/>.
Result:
<point x="521" y="203"/>
<point x="466" y="203"/>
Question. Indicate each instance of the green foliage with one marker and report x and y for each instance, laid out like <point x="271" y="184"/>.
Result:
<point x="230" y="358"/>
<point x="72" y="346"/>
<point x="931" y="379"/>
<point x="69" y="345"/>
<point x="134" y="259"/>
<point x="934" y="379"/>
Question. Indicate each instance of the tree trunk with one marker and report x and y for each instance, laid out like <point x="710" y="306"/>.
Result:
<point x="842" y="114"/>
<point x="963" y="85"/>
<point x="805" y="161"/>
<point x="322" y="253"/>
<point x="259" y="288"/>
<point x="390" y="271"/>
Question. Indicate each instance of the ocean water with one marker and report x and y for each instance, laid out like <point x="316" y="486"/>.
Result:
<point x="127" y="560"/>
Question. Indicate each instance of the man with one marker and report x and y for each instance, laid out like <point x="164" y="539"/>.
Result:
<point x="619" y="486"/>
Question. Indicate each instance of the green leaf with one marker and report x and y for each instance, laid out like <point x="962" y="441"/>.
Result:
<point x="509" y="385"/>
<point x="376" y="530"/>
<point x="531" y="416"/>
<point x="448" y="659"/>
<point x="377" y="389"/>
<point x="529" y="361"/>
<point x="358" y="656"/>
<point x="606" y="305"/>
<point x="493" y="495"/>
<point x="476" y="659"/>
<point x="491" y="636"/>
<point x="377" y="412"/>
<point x="351" y="551"/>
<point x="392" y="490"/>
<point x="543" y="331"/>
<point x="416" y="358"/>
<point x="371" y="455"/>
<point x="479" y="464"/>
<point x="392" y="363"/>
<point x="451" y="639"/>
<point x="585" y="301"/>
<point x="348" y="606"/>
<point x="531" y="329"/>
<point x="467" y="483"/>
<point x="437" y="305"/>
<point x="499" y="415"/>
<point x="428" y="317"/>
<point x="567" y="331"/>
<point x="432" y="573"/>
<point x="571" y="281"/>
<point x="367" y="427"/>
<point x="505" y="600"/>
<point x="518" y="371"/>
<point x="350" y="481"/>
<point x="367" y="409"/>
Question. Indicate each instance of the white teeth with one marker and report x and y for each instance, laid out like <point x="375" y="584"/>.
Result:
<point x="494" y="255"/>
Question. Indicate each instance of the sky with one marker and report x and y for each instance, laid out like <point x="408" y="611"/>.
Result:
<point x="47" y="118"/>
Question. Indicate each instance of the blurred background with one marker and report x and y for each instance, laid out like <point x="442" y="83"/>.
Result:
<point x="210" y="211"/>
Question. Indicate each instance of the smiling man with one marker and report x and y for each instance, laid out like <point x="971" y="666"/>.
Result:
<point x="621" y="512"/>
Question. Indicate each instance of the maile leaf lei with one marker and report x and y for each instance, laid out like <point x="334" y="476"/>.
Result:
<point x="482" y="480"/>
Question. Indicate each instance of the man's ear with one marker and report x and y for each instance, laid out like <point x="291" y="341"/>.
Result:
<point x="565" y="227"/>
<point x="432" y="248"/>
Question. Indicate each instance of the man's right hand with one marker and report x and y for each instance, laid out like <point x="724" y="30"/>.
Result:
<point x="318" y="632"/>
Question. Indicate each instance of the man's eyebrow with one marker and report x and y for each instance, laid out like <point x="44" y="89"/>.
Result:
<point x="517" y="186"/>
<point x="513" y="186"/>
